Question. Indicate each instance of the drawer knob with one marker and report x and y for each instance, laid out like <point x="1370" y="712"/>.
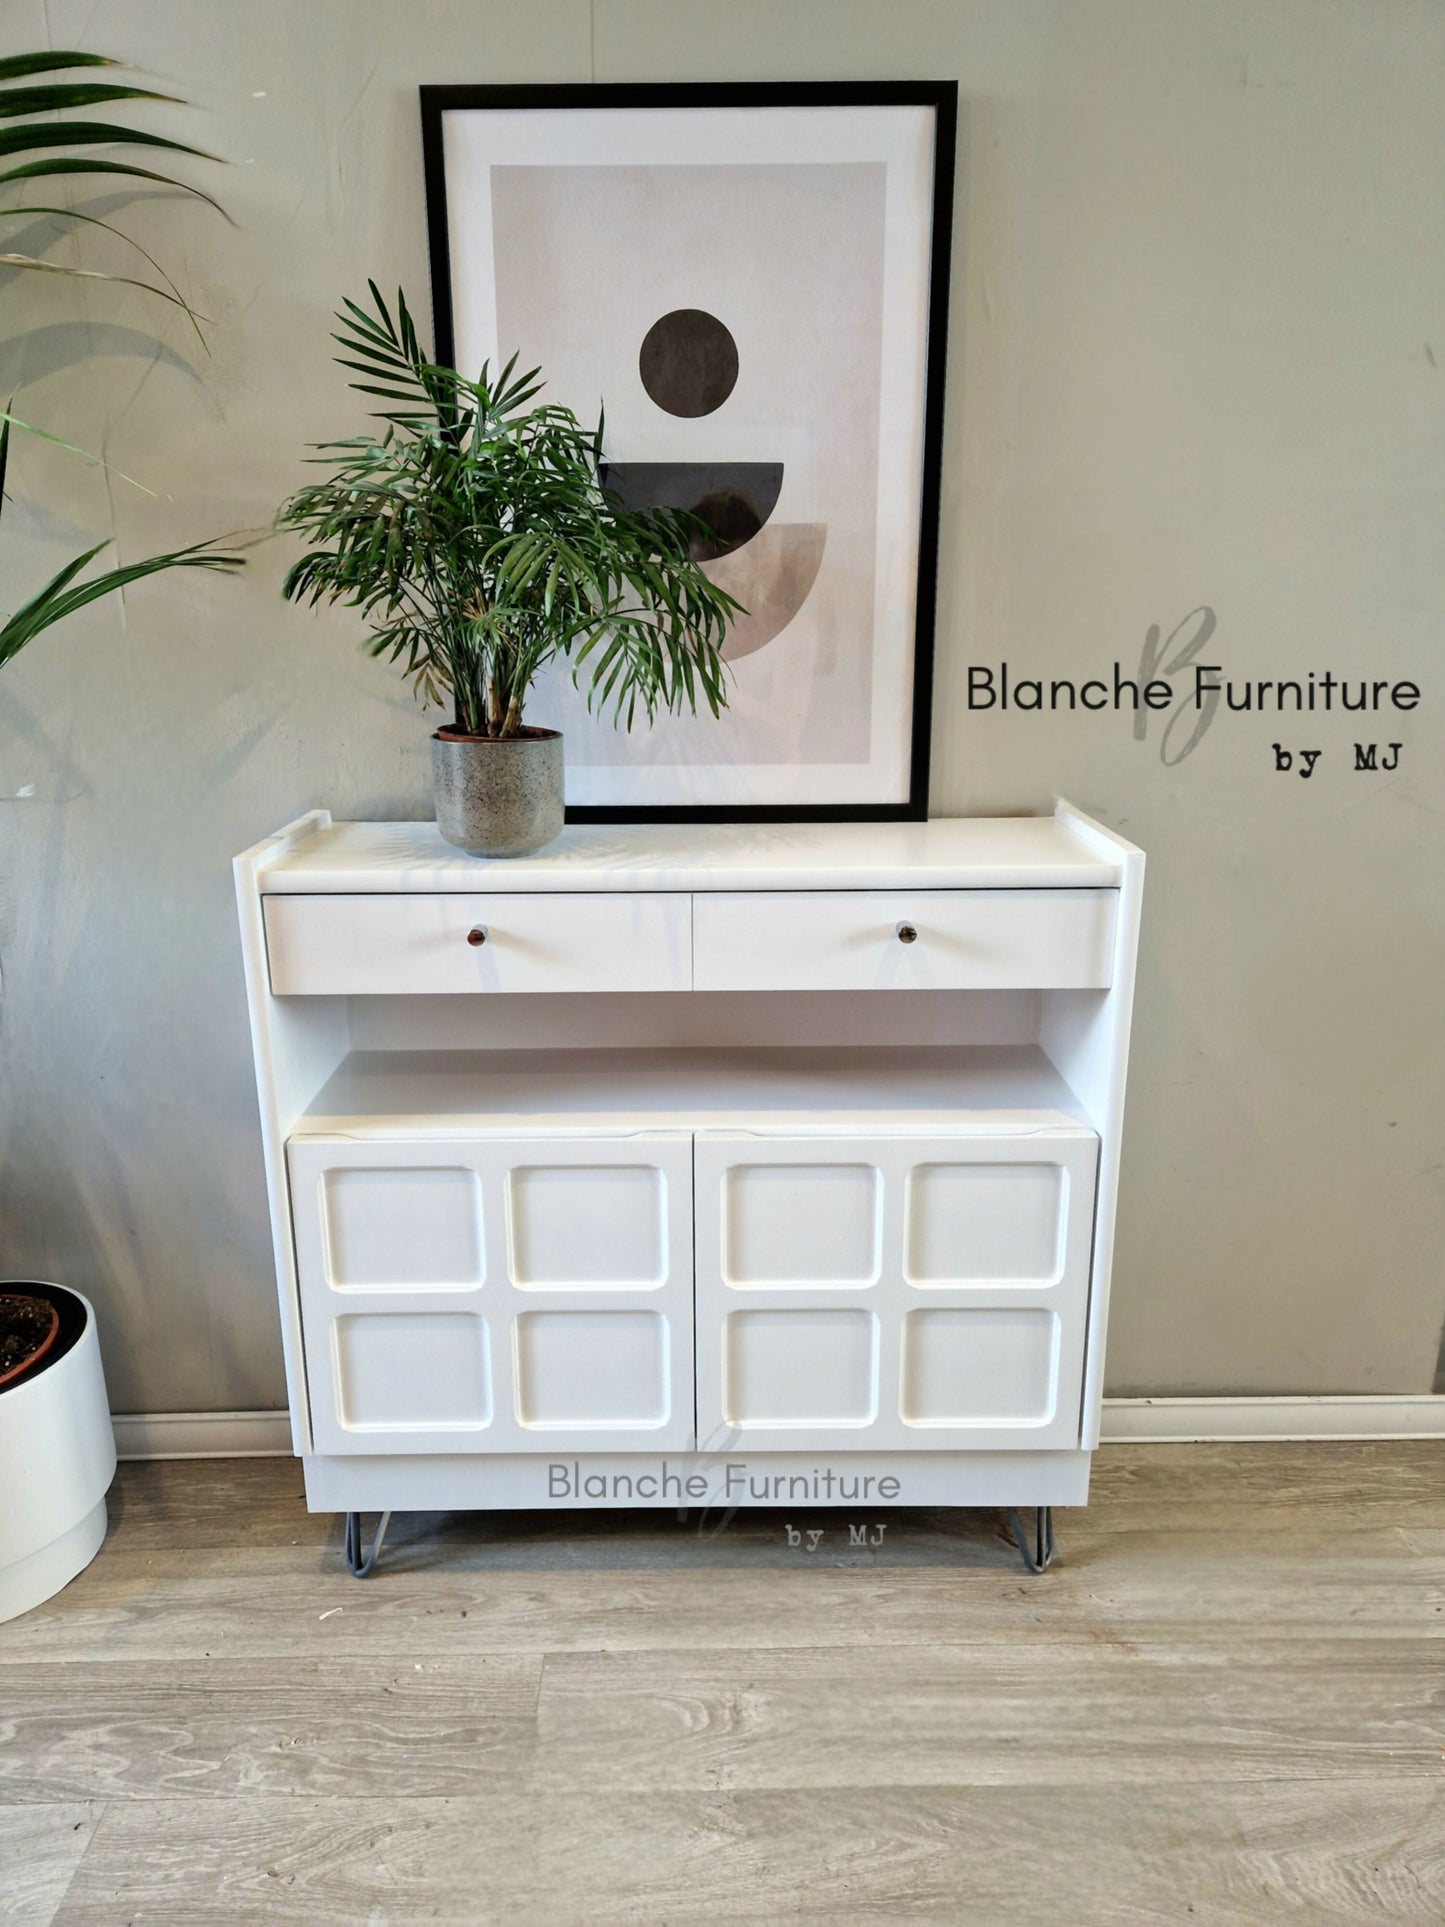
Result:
<point x="476" y="936"/>
<point x="907" y="933"/>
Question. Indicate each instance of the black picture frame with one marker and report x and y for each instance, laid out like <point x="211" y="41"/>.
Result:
<point x="939" y="96"/>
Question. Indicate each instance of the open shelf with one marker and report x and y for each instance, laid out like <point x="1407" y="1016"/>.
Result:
<point x="1009" y="1089"/>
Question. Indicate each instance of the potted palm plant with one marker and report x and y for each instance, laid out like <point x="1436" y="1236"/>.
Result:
<point x="473" y="533"/>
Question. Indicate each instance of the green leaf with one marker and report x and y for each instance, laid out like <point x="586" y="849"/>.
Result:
<point x="88" y="133"/>
<point x="58" y="599"/>
<point x="72" y="93"/>
<point x="94" y="220"/>
<point x="45" y="436"/>
<point x="30" y="263"/>
<point x="388" y="394"/>
<point x="19" y="66"/>
<point x="360" y="322"/>
<point x="40" y="170"/>
<point x="410" y="346"/>
<point x="381" y="305"/>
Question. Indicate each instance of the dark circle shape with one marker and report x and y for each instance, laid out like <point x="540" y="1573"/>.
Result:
<point x="688" y="362"/>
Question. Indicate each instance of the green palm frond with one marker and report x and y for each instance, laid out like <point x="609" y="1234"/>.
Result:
<point x="34" y="264"/>
<point x="63" y="594"/>
<point x="32" y="136"/>
<point x="65" y="164"/>
<point x="9" y="421"/>
<point x="94" y="220"/>
<point x="54" y="61"/>
<point x="73" y="93"/>
<point x="471" y="530"/>
<point x="38" y="142"/>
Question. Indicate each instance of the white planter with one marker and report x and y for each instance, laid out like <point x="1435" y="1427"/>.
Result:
<point x="57" y="1459"/>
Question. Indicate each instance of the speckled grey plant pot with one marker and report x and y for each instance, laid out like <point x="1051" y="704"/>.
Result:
<point x="500" y="796"/>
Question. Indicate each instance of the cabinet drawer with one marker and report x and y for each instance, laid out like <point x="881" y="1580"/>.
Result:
<point x="337" y="946"/>
<point x="849" y="940"/>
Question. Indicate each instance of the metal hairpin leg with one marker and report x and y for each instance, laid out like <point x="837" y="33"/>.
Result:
<point x="361" y="1567"/>
<point x="1042" y="1556"/>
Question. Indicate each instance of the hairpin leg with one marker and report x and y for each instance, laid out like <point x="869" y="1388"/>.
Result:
<point x="1042" y="1555"/>
<point x="358" y="1565"/>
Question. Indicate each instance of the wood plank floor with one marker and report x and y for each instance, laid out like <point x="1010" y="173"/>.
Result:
<point x="1225" y="1703"/>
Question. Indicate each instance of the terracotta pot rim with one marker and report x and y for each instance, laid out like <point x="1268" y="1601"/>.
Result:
<point x="527" y="735"/>
<point x="43" y="1348"/>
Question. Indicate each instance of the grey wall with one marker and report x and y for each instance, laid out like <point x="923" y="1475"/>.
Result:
<point x="1195" y="359"/>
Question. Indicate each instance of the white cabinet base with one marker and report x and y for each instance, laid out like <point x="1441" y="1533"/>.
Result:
<point x="693" y="1167"/>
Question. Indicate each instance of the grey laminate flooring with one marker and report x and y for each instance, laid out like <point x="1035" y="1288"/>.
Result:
<point x="1226" y="1703"/>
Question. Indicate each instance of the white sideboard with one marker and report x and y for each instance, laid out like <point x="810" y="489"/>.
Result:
<point x="703" y="1166"/>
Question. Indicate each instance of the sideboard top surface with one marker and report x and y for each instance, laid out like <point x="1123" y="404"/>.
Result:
<point x="946" y="853"/>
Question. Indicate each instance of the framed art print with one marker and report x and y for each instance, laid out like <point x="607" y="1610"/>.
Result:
<point x="752" y="282"/>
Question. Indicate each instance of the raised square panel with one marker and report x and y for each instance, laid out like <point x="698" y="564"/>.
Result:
<point x="412" y="1371"/>
<point x="985" y="1224"/>
<point x="580" y="1370"/>
<point x="399" y="1229"/>
<point x="801" y="1224"/>
<point x="783" y="1368"/>
<point x="979" y="1367"/>
<point x="581" y="1225"/>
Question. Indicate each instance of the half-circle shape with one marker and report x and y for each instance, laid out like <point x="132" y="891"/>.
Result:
<point x="772" y="577"/>
<point x="733" y="500"/>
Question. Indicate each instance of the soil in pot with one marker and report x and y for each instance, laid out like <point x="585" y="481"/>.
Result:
<point x="29" y="1327"/>
<point x="449" y="733"/>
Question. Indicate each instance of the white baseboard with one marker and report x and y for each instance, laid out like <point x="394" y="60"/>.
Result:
<point x="1138" y="1421"/>
<point x="1156" y="1421"/>
<point x="202" y="1435"/>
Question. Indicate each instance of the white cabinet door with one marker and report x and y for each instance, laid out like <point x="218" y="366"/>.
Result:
<point x="861" y="1293"/>
<point x="496" y="1295"/>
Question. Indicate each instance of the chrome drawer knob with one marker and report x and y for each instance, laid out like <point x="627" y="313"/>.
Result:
<point x="476" y="936"/>
<point x="907" y="933"/>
